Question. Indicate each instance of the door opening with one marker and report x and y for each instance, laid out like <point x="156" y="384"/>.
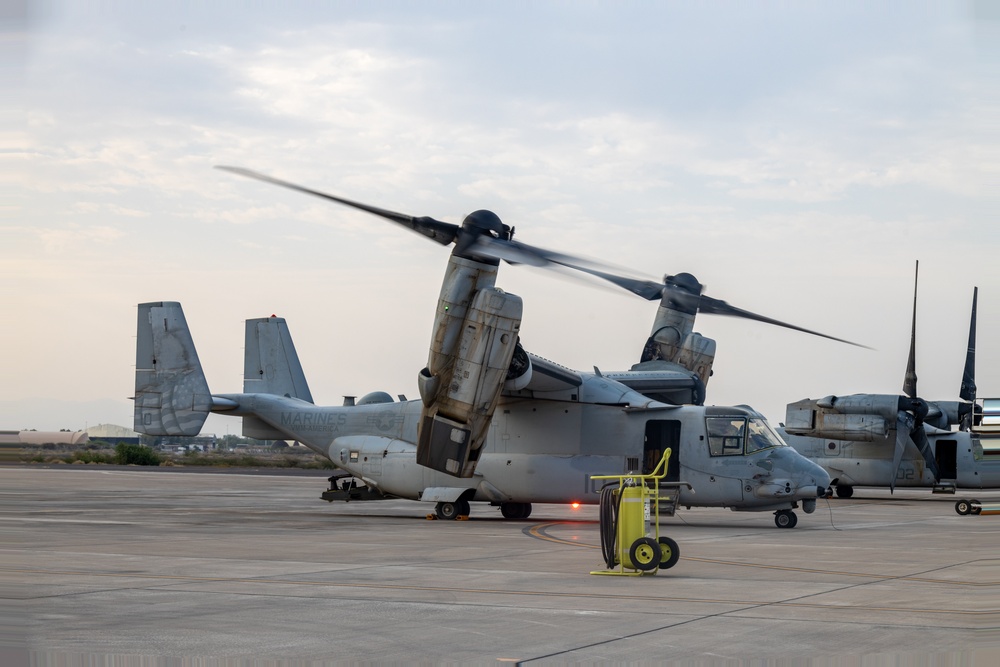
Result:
<point x="945" y="455"/>
<point x="660" y="434"/>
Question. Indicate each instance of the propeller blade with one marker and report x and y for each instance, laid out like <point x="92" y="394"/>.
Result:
<point x="919" y="436"/>
<point x="442" y="232"/>
<point x="647" y="289"/>
<point x="515" y="252"/>
<point x="712" y="306"/>
<point x="904" y="424"/>
<point x="968" y="391"/>
<point x="910" y="379"/>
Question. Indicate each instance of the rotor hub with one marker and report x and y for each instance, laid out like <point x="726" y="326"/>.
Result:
<point x="488" y="223"/>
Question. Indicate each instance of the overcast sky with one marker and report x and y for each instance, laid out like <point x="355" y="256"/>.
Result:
<point x="796" y="157"/>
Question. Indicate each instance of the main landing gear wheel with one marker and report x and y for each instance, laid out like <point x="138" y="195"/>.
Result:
<point x="645" y="554"/>
<point x="670" y="553"/>
<point x="844" y="491"/>
<point x="785" y="519"/>
<point x="451" y="511"/>
<point x="515" y="510"/>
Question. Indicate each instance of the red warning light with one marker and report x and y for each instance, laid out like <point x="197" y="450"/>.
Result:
<point x="575" y="506"/>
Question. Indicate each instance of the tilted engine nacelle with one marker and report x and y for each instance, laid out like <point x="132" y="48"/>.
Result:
<point x="672" y="338"/>
<point x="472" y="350"/>
<point x="858" y="417"/>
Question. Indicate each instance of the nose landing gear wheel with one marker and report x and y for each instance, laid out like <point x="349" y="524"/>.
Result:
<point x="785" y="519"/>
<point x="645" y="554"/>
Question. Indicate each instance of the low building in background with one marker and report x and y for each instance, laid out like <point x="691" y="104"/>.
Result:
<point x="113" y="434"/>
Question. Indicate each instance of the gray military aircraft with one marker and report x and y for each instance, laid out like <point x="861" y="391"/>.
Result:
<point x="494" y="423"/>
<point x="884" y="440"/>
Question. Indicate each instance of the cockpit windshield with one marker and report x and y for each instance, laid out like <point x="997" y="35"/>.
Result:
<point x="734" y="436"/>
<point x="760" y="436"/>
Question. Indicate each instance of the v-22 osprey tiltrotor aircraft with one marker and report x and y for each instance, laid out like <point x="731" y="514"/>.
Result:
<point x="888" y="440"/>
<point x="494" y="422"/>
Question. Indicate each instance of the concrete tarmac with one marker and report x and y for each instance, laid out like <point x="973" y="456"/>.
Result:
<point x="120" y="567"/>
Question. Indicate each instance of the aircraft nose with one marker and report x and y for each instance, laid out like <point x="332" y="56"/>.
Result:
<point x="813" y="478"/>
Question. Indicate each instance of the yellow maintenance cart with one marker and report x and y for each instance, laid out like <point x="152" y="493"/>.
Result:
<point x="626" y="510"/>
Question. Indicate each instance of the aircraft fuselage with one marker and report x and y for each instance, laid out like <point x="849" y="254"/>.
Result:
<point x="967" y="460"/>
<point x="545" y="450"/>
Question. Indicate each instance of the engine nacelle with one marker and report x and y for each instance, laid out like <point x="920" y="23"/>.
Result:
<point x="465" y="374"/>
<point x="674" y="341"/>
<point x="860" y="417"/>
<point x="697" y="354"/>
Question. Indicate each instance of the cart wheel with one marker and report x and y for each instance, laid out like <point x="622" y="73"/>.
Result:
<point x="963" y="507"/>
<point x="974" y="507"/>
<point x="645" y="554"/>
<point x="671" y="553"/>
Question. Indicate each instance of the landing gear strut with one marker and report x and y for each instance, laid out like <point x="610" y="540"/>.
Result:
<point x="785" y="519"/>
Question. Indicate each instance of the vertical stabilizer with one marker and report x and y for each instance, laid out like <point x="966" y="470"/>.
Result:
<point x="171" y="393"/>
<point x="270" y="363"/>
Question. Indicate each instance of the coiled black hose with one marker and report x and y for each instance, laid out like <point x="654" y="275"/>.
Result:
<point x="610" y="504"/>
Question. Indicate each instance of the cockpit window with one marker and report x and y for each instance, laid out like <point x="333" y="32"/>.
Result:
<point x="725" y="435"/>
<point x="734" y="436"/>
<point x="760" y="436"/>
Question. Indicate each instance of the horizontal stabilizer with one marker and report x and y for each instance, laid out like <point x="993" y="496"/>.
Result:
<point x="171" y="393"/>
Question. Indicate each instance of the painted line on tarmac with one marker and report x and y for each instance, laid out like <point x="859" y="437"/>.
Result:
<point x="540" y="532"/>
<point x="498" y="592"/>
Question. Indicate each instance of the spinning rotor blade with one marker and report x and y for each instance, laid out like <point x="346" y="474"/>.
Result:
<point x="519" y="253"/>
<point x="514" y="252"/>
<point x="501" y="247"/>
<point x="712" y="306"/>
<point x="442" y="232"/>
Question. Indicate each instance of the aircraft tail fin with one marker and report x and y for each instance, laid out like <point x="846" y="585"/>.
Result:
<point x="171" y="392"/>
<point x="270" y="363"/>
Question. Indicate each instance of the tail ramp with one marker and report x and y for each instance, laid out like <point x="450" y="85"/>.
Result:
<point x="270" y="363"/>
<point x="171" y="392"/>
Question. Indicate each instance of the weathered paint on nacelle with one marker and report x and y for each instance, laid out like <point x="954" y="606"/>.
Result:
<point x="475" y="336"/>
<point x="864" y="418"/>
